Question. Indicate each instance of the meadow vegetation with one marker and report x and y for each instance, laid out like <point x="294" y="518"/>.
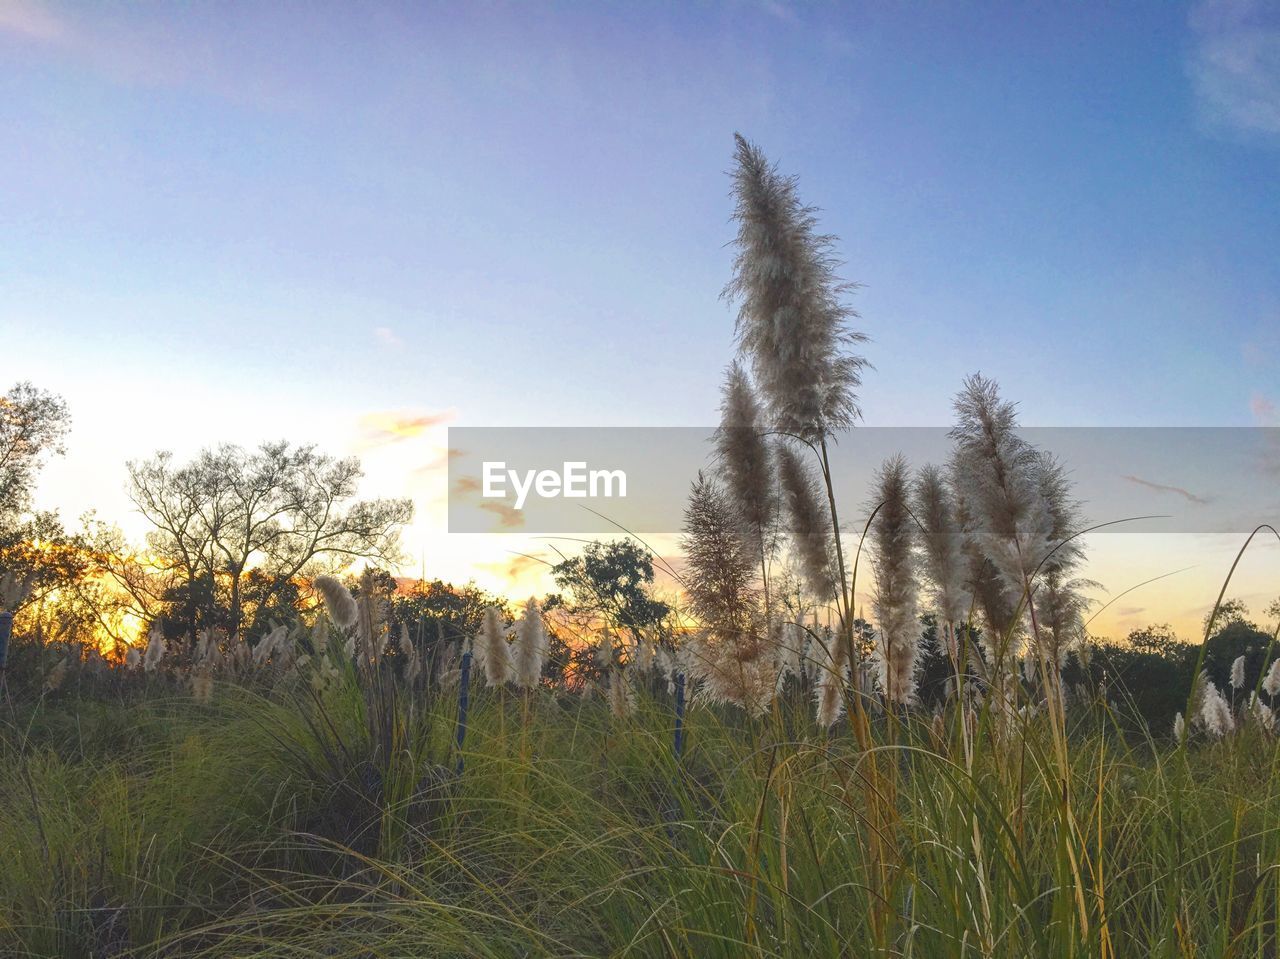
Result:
<point x="295" y="754"/>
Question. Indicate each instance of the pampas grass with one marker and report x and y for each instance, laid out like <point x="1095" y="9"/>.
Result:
<point x="893" y="537"/>
<point x="338" y="601"/>
<point x="155" y="650"/>
<point x="530" y="646"/>
<point x="745" y="460"/>
<point x="1271" y="684"/>
<point x="942" y="542"/>
<point x="622" y="702"/>
<point x="792" y="321"/>
<point x="492" y="651"/>
<point x="1215" y="712"/>
<point x="809" y="524"/>
<point x="719" y="577"/>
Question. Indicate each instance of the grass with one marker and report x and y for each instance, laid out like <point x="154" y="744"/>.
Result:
<point x="283" y="825"/>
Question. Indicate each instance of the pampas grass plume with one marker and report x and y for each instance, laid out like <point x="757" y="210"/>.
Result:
<point x="1237" y="674"/>
<point x="1271" y="685"/>
<point x="155" y="649"/>
<point x="492" y="650"/>
<point x="530" y="646"/>
<point x="338" y="601"/>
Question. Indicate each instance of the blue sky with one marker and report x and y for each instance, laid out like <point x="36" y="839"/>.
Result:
<point x="236" y="221"/>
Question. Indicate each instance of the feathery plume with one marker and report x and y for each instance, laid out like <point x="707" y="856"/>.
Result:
<point x="1237" y="674"/>
<point x="133" y="659"/>
<point x="944" y="560"/>
<point x="736" y="670"/>
<point x="240" y="652"/>
<point x="745" y="460"/>
<point x="1215" y="711"/>
<point x="791" y="321"/>
<point x="665" y="661"/>
<point x="1271" y="685"/>
<point x="269" y="645"/>
<point x="155" y="649"/>
<point x="412" y="666"/>
<point x="894" y="603"/>
<point x="809" y="523"/>
<point x="830" y="698"/>
<point x="1261" y="714"/>
<point x="492" y="650"/>
<point x="1014" y="504"/>
<point x="205" y="645"/>
<point x="450" y="667"/>
<point x="1179" y="728"/>
<point x="790" y="643"/>
<point x="997" y="475"/>
<point x="604" y="650"/>
<point x="324" y="674"/>
<point x="530" y="646"/>
<point x="719" y="567"/>
<point x="338" y="601"/>
<point x="202" y="684"/>
<point x="1060" y="603"/>
<point x="371" y="633"/>
<point x="646" y="656"/>
<point x="621" y="701"/>
<point x="833" y="674"/>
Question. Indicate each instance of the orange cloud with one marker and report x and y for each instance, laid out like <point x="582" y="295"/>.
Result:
<point x="508" y="516"/>
<point x="387" y="427"/>
<point x="1264" y="411"/>
<point x="443" y="459"/>
<point x="466" y="484"/>
<point x="514" y="568"/>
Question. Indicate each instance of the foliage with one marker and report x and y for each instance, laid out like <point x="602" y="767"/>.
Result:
<point x="612" y="582"/>
<point x="33" y="423"/>
<point x="276" y="512"/>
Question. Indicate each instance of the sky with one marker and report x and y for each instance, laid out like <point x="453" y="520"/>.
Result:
<point x="359" y="225"/>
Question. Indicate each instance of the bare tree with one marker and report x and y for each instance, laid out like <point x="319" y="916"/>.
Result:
<point x="32" y="423"/>
<point x="279" y="511"/>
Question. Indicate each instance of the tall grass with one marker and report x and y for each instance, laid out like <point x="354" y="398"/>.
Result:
<point x="236" y="829"/>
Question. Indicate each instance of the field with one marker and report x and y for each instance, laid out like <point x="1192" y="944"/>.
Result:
<point x="294" y="818"/>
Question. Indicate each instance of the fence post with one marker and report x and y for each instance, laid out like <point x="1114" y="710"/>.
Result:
<point x="679" y="744"/>
<point x="463" y="680"/>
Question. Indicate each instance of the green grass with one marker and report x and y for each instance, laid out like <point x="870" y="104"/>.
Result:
<point x="293" y="825"/>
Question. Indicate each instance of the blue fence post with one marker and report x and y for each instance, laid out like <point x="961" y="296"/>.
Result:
<point x="679" y="744"/>
<point x="463" y="681"/>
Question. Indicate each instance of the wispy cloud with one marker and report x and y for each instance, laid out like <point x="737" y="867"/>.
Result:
<point x="386" y="336"/>
<point x="156" y="45"/>
<point x="1264" y="410"/>
<point x="508" y="516"/>
<point x="1162" y="488"/>
<point x="1266" y="413"/>
<point x="1235" y="65"/>
<point x="391" y="426"/>
<point x="31" y="21"/>
<point x="515" y="568"/>
<point x="778" y="10"/>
